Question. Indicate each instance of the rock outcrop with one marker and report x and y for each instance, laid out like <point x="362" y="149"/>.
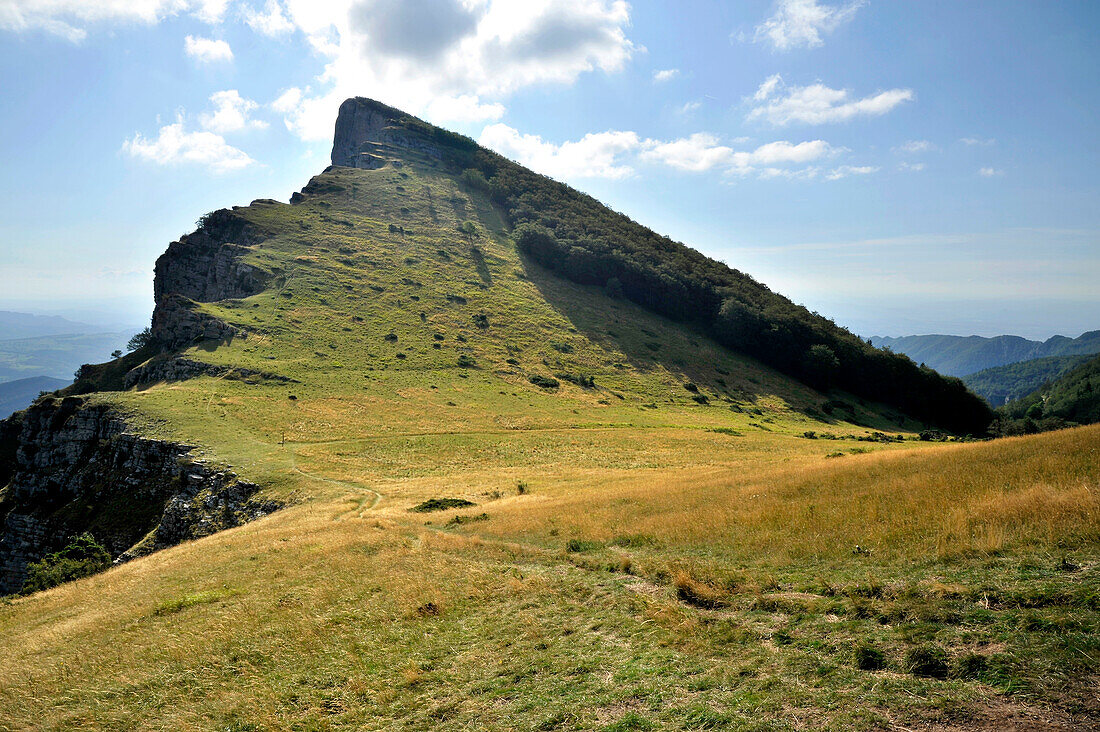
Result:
<point x="364" y="128"/>
<point x="178" y="368"/>
<point x="206" y="266"/>
<point x="70" y="466"/>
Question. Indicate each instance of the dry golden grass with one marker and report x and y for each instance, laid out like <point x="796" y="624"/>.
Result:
<point x="338" y="615"/>
<point x="1012" y="493"/>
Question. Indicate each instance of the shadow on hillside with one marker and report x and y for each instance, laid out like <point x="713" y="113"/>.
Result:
<point x="692" y="357"/>
<point x="614" y="324"/>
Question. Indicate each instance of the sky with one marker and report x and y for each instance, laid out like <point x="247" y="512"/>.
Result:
<point x="900" y="167"/>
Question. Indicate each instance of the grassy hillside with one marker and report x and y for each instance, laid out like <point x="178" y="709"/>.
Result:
<point x="660" y="533"/>
<point x="962" y="355"/>
<point x="1003" y="384"/>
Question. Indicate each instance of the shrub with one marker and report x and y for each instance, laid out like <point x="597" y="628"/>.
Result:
<point x="441" y="504"/>
<point x="869" y="658"/>
<point x="544" y="382"/>
<point x="927" y="660"/>
<point x="81" y="557"/>
<point x="466" y="362"/>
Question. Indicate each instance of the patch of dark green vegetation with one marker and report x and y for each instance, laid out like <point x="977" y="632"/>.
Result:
<point x="1072" y="399"/>
<point x="441" y="504"/>
<point x="81" y="557"/>
<point x="543" y="382"/>
<point x="467" y="519"/>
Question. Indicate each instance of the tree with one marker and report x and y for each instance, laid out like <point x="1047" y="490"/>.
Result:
<point x="140" y="340"/>
<point x="117" y="353"/>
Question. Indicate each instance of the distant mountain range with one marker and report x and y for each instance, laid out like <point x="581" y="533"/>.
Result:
<point x="18" y="394"/>
<point x="962" y="355"/>
<point x="57" y="356"/>
<point x="27" y="325"/>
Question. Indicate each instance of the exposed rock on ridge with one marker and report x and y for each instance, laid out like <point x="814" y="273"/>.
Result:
<point x="71" y="467"/>
<point x="365" y="127"/>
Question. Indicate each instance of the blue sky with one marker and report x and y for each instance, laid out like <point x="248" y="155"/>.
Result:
<point x="901" y="167"/>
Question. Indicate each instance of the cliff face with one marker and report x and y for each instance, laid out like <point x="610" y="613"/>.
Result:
<point x="70" y="467"/>
<point x="364" y="128"/>
<point x="204" y="266"/>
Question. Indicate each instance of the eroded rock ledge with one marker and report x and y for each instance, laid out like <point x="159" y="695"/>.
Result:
<point x="180" y="368"/>
<point x="68" y="466"/>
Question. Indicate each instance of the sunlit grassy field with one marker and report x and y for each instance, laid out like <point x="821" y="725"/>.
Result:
<point x="666" y="549"/>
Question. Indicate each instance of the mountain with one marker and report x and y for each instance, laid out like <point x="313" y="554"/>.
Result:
<point x="56" y="356"/>
<point x="443" y="444"/>
<point x="962" y="355"/>
<point x="1002" y="384"/>
<point x="16" y="395"/>
<point x="26" y="325"/>
<point x="403" y="273"/>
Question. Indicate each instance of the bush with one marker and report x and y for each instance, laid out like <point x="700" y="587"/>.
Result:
<point x="81" y="557"/>
<point x="544" y="382"/>
<point x="466" y="362"/>
<point x="441" y="504"/>
<point x="930" y="661"/>
<point x="869" y="658"/>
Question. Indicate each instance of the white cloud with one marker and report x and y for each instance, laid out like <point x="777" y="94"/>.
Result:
<point x="270" y="22"/>
<point x="174" y="145"/>
<point x="818" y="104"/>
<point x="846" y="170"/>
<point x="596" y="155"/>
<point x="665" y="75"/>
<point x="231" y="113"/>
<point x="71" y="19"/>
<point x="800" y="23"/>
<point x="207" y="50"/>
<point x="463" y="108"/>
<point x="914" y="167"/>
<point x="449" y="57"/>
<point x="982" y="142"/>
<point x="689" y="107"/>
<point x="211" y="11"/>
<point x="697" y="153"/>
<point x="990" y="172"/>
<point x="914" y="147"/>
<point x="768" y="88"/>
<point x="614" y="153"/>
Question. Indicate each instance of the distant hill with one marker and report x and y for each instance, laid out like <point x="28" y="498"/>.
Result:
<point x="27" y="325"/>
<point x="962" y="355"/>
<point x="18" y="394"/>
<point x="1072" y="398"/>
<point x="57" y="356"/>
<point x="1002" y="384"/>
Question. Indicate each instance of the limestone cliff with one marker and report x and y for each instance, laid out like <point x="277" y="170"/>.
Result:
<point x="70" y="466"/>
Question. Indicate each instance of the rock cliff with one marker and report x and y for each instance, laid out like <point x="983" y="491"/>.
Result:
<point x="364" y="129"/>
<point x="70" y="466"/>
